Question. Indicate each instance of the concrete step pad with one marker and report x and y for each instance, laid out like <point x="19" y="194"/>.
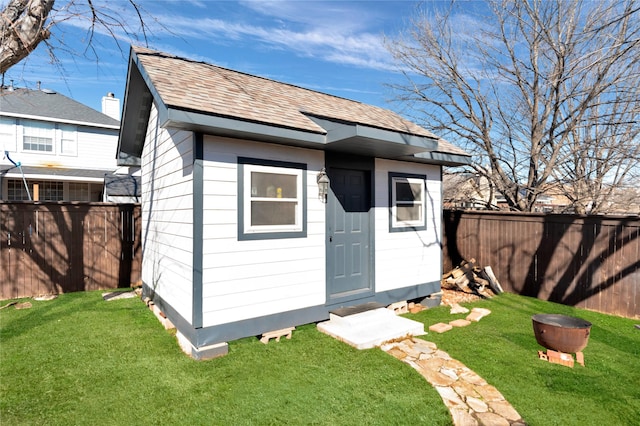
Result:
<point x="371" y="328"/>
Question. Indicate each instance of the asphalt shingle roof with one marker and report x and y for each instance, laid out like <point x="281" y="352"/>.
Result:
<point x="448" y="147"/>
<point x="122" y="185"/>
<point x="50" y="106"/>
<point x="197" y="86"/>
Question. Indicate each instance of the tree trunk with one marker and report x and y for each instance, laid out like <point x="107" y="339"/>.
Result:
<point x="22" y="28"/>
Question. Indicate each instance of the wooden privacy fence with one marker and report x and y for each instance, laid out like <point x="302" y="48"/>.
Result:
<point x="50" y="248"/>
<point x="592" y="262"/>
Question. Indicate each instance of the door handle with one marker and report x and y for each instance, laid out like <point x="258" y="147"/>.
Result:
<point x="330" y="239"/>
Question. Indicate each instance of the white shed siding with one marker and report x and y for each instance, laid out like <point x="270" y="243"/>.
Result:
<point x="248" y="279"/>
<point x="167" y="215"/>
<point x="407" y="258"/>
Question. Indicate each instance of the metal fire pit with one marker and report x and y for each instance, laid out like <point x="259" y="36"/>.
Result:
<point x="561" y="333"/>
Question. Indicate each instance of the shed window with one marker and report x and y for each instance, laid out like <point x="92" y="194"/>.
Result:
<point x="407" y="201"/>
<point x="272" y="200"/>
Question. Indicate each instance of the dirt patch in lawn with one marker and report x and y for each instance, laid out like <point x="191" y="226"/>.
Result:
<point x="450" y="297"/>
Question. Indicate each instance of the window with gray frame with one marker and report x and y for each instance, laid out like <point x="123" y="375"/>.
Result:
<point x="272" y="199"/>
<point x="407" y="202"/>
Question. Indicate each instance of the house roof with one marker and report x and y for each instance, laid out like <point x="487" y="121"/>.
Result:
<point x="119" y="185"/>
<point x="198" y="96"/>
<point x="48" y="105"/>
<point x="57" y="173"/>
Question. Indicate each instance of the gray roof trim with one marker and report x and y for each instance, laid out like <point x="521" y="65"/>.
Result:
<point x="339" y="131"/>
<point x="343" y="137"/>
<point x="441" y="158"/>
<point x="241" y="129"/>
<point x="138" y="99"/>
<point x="60" y="120"/>
<point x="367" y="140"/>
<point x="51" y="173"/>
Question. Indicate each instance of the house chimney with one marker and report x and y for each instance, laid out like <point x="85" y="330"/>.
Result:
<point x="111" y="106"/>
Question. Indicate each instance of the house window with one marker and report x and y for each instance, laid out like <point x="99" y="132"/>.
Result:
<point x="407" y="201"/>
<point x="82" y="191"/>
<point x="7" y="135"/>
<point x="51" y="191"/>
<point x="16" y="190"/>
<point x="78" y="191"/>
<point x="68" y="140"/>
<point x="271" y="199"/>
<point x="39" y="190"/>
<point x="37" y="137"/>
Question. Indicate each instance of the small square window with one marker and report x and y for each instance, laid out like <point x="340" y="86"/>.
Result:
<point x="407" y="197"/>
<point x="79" y="191"/>
<point x="271" y="199"/>
<point x="50" y="191"/>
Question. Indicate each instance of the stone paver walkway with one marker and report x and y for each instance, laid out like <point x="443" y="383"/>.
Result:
<point x="470" y="399"/>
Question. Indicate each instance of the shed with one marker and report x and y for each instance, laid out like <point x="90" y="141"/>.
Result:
<point x="238" y="237"/>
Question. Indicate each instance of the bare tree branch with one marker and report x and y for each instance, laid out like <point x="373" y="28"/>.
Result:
<point x="22" y="28"/>
<point x="544" y="93"/>
<point x="24" y="24"/>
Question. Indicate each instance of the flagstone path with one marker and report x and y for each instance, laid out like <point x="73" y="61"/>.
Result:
<point x="470" y="399"/>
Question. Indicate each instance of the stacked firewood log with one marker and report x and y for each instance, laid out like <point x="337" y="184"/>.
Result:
<point x="471" y="278"/>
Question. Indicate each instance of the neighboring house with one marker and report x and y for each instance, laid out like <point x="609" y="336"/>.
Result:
<point x="238" y="236"/>
<point x="467" y="191"/>
<point x="64" y="148"/>
<point x="470" y="191"/>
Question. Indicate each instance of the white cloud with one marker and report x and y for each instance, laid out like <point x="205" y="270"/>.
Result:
<point x="326" y="30"/>
<point x="345" y="16"/>
<point x="345" y="33"/>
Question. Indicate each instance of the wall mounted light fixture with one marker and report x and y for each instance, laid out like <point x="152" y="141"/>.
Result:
<point x="323" y="185"/>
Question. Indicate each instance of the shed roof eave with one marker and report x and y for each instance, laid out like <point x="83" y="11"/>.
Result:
<point x="345" y="137"/>
<point x="340" y="134"/>
<point x="138" y="99"/>
<point x="440" y="158"/>
<point x="239" y="129"/>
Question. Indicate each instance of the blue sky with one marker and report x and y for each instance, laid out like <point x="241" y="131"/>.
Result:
<point x="335" y="47"/>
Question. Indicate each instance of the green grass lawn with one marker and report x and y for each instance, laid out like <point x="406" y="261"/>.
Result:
<point x="503" y="350"/>
<point x="80" y="360"/>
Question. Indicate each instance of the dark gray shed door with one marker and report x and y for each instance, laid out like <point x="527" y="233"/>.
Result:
<point x="348" y="233"/>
